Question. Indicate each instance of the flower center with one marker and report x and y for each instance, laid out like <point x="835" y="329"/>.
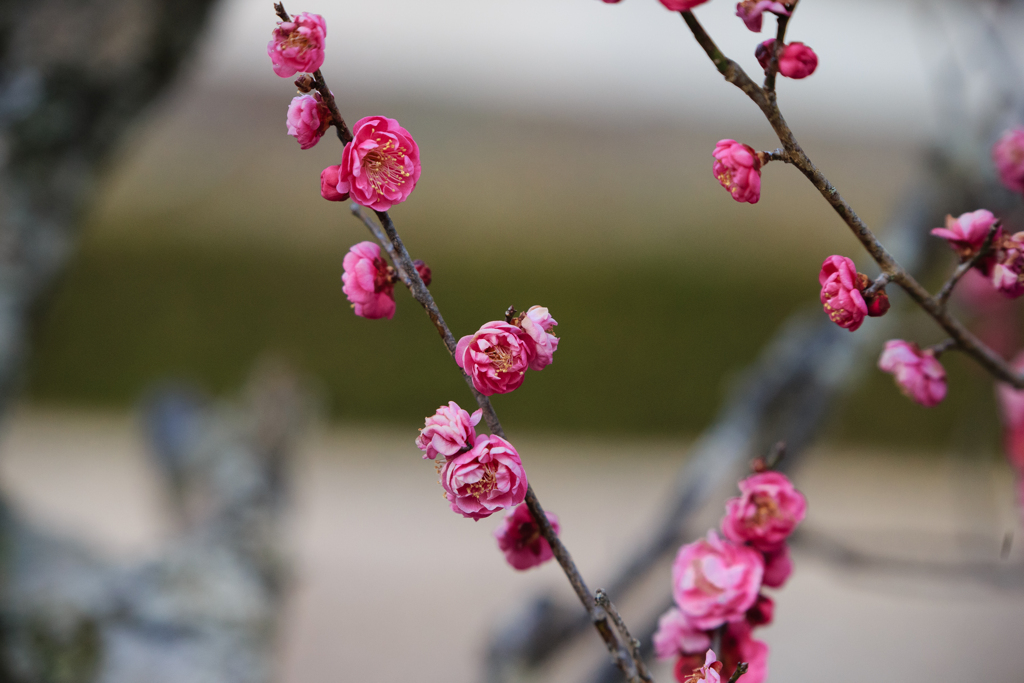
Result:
<point x="383" y="166"/>
<point x="485" y="484"/>
<point x="529" y="532"/>
<point x="725" y="177"/>
<point x="766" y="509"/>
<point x="297" y="39"/>
<point x="501" y="358"/>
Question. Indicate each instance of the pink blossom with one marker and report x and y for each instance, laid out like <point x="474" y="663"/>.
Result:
<point x="676" y="636"/>
<point x="448" y="431"/>
<point x="918" y="374"/>
<point x="537" y="323"/>
<point x="488" y="478"/>
<point x="766" y="513"/>
<point x="710" y="672"/>
<point x="1008" y="155"/>
<point x="496" y="357"/>
<point x="1008" y="271"/>
<point x="308" y="119"/>
<point x="750" y="12"/>
<point x="329" y="185"/>
<point x="966" y="235"/>
<point x="763" y="610"/>
<point x="424" y="271"/>
<point x="738" y="169"/>
<point x="298" y="45"/>
<point x="715" y="581"/>
<point x="738" y="646"/>
<point x="797" y="61"/>
<point x="381" y="165"/>
<point x="367" y="282"/>
<point x="841" y="292"/>
<point x="777" y="567"/>
<point x="682" y="5"/>
<point x="520" y="539"/>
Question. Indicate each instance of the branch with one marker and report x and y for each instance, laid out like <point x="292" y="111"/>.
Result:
<point x="634" y="645"/>
<point x="943" y="296"/>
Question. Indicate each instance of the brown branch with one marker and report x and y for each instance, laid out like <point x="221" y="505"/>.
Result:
<point x="634" y="645"/>
<point x="943" y="296"/>
<point x="773" y="64"/>
<point x="965" y="340"/>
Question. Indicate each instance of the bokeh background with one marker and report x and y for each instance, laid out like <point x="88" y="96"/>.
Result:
<point x="566" y="162"/>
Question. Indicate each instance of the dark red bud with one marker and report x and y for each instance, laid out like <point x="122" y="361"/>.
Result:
<point x="762" y="611"/>
<point x="878" y="304"/>
<point x="763" y="52"/>
<point x="424" y="270"/>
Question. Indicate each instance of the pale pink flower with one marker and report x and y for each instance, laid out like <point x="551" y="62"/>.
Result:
<point x="797" y="61"/>
<point x="750" y="11"/>
<point x="1008" y="271"/>
<point x="766" y="513"/>
<point x="381" y="165"/>
<point x="496" y="357"/>
<point x="367" y="282"/>
<point x="777" y="567"/>
<point x="537" y="323"/>
<point x="715" y="581"/>
<point x="1008" y="155"/>
<point x="738" y="169"/>
<point x="308" y="119"/>
<point x="681" y="5"/>
<point x="520" y="539"/>
<point x="841" y="292"/>
<point x="710" y="672"/>
<point x="298" y="45"/>
<point x="918" y="373"/>
<point x="677" y="636"/>
<point x="448" y="431"/>
<point x="329" y="185"/>
<point x="488" y="478"/>
<point x="966" y="235"/>
<point x="763" y="610"/>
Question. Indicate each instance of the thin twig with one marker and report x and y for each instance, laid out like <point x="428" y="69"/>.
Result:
<point x="773" y="64"/>
<point x="938" y="349"/>
<point x="880" y="282"/>
<point x="741" y="669"/>
<point x="966" y="341"/>
<point x="947" y="289"/>
<point x="634" y="645"/>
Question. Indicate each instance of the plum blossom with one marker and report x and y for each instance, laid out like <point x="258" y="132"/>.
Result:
<point x="797" y="61"/>
<point x="681" y="5"/>
<point x="738" y="168"/>
<point x="368" y="283"/>
<point x="677" y="636"/>
<point x="496" y="357"/>
<point x="298" y="45"/>
<point x="715" y="581"/>
<point x="329" y="185"/>
<point x="710" y="672"/>
<point x="841" y="292"/>
<point x="777" y="567"/>
<point x="918" y="373"/>
<point x="766" y="513"/>
<point x="448" y="431"/>
<point x="537" y="322"/>
<point x="520" y="539"/>
<point x="308" y="119"/>
<point x="966" y="235"/>
<point x="1008" y="155"/>
<point x="381" y="165"/>
<point x="1008" y="271"/>
<point x="485" y="479"/>
<point x="751" y="11"/>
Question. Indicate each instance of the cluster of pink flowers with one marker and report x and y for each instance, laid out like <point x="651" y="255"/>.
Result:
<point x="1003" y="263"/>
<point x="844" y="293"/>
<point x="718" y="581"/>
<point x="796" y="60"/>
<point x="498" y="355"/>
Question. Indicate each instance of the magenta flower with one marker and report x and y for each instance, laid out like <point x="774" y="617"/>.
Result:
<point x="368" y="283"/>
<point x="763" y="611"/>
<point x="738" y="169"/>
<point x="298" y="45"/>
<point x="448" y="431"/>
<point x="381" y="165"/>
<point x="966" y="235"/>
<point x="766" y="513"/>
<point x="841" y="292"/>
<point x="1008" y="155"/>
<point x="677" y="636"/>
<point x="918" y="374"/>
<point x="1008" y="271"/>
<point x="488" y="478"/>
<point x="308" y="119"/>
<point x="496" y="357"/>
<point x="750" y="12"/>
<point x="709" y="673"/>
<point x="777" y="567"/>
<point x="797" y="61"/>
<point x="519" y="538"/>
<point x="682" y="5"/>
<point x="715" y="581"/>
<point x="329" y="185"/>
<point x="537" y="323"/>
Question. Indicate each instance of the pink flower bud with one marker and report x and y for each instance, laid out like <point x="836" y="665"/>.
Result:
<point x="738" y="169"/>
<point x="878" y="303"/>
<point x="763" y="52"/>
<point x="367" y="282"/>
<point x="424" y="270"/>
<point x="918" y="374"/>
<point x="777" y="567"/>
<point x="1008" y="271"/>
<point x="381" y="165"/>
<point x="308" y="119"/>
<point x="715" y="581"/>
<point x="682" y="5"/>
<point x="840" y="292"/>
<point x="797" y="61"/>
<point x="966" y="235"/>
<point x="448" y="431"/>
<point x="710" y="672"/>
<point x="766" y="513"/>
<point x="750" y="12"/>
<point x="298" y="45"/>
<point x="496" y="357"/>
<point x="520" y="539"/>
<point x="488" y="478"/>
<point x="1008" y="155"/>
<point x="677" y="636"/>
<point x="536" y="323"/>
<point x="763" y="610"/>
<point x="329" y="185"/>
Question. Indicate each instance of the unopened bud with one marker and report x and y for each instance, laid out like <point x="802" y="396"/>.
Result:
<point x="878" y="303"/>
<point x="424" y="270"/>
<point x="304" y="83"/>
